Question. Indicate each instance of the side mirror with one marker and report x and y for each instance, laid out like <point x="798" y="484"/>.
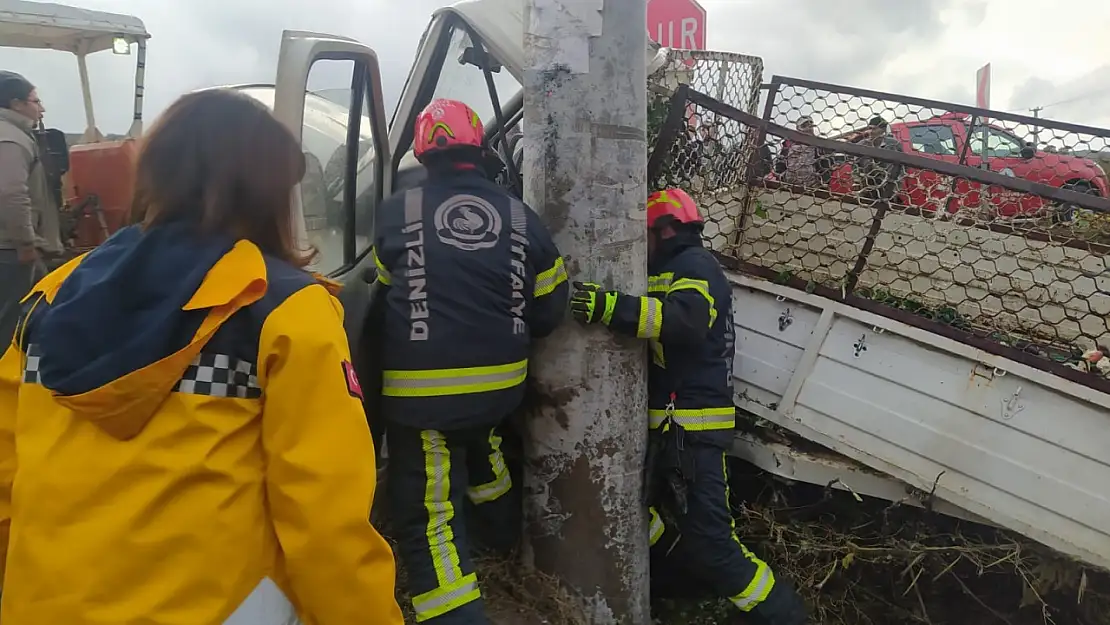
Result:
<point x="479" y="58"/>
<point x="1028" y="151"/>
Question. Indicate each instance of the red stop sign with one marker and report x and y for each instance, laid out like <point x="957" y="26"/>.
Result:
<point x="678" y="24"/>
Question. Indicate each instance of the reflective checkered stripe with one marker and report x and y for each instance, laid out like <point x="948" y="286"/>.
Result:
<point x="454" y="589"/>
<point x="31" y="364"/>
<point x="220" y="375"/>
<point x="214" y="375"/>
<point x="501" y="482"/>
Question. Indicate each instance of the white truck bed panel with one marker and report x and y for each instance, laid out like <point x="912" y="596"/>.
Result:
<point x="1020" y="447"/>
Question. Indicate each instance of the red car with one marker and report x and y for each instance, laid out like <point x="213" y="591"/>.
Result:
<point x="943" y="138"/>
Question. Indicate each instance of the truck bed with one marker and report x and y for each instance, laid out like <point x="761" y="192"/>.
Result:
<point x="995" y="439"/>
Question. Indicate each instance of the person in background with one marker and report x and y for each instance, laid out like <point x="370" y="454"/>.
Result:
<point x="686" y="317"/>
<point x="192" y="446"/>
<point x="878" y="180"/>
<point x="801" y="163"/>
<point x="25" y="197"/>
<point x="471" y="279"/>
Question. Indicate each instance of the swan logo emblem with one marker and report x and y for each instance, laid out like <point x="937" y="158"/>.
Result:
<point x="468" y="223"/>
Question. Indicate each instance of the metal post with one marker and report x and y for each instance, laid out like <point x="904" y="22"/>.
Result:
<point x="140" y="85"/>
<point x="1036" y="110"/>
<point x="91" y="132"/>
<point x="585" y="162"/>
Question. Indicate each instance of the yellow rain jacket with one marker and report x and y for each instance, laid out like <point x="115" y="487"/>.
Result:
<point x="182" y="443"/>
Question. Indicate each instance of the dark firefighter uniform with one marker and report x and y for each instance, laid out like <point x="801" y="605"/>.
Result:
<point x="687" y="318"/>
<point x="191" y="447"/>
<point x="473" y="277"/>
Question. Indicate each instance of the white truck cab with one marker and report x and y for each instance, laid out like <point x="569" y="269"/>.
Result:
<point x="471" y="51"/>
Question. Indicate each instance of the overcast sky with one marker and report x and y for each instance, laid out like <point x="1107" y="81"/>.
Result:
<point x="930" y="48"/>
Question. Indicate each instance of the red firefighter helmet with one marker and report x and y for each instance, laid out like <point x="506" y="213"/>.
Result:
<point x="674" y="203"/>
<point x="446" y="125"/>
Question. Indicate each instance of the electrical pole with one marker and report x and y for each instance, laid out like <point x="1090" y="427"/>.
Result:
<point x="585" y="167"/>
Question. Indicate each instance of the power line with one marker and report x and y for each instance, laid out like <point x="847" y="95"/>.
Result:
<point x="1078" y="98"/>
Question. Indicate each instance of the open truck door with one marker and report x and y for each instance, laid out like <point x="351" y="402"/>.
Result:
<point x="328" y="92"/>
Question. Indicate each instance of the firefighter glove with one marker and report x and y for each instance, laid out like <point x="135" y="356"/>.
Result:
<point x="591" y="304"/>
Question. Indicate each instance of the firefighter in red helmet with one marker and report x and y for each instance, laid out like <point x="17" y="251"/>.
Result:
<point x="686" y="317"/>
<point x="471" y="277"/>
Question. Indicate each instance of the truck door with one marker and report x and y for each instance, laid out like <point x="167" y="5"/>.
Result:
<point x="1003" y="156"/>
<point x="924" y="188"/>
<point x="328" y="92"/>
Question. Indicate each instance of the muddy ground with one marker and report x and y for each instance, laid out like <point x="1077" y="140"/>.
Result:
<point x="857" y="561"/>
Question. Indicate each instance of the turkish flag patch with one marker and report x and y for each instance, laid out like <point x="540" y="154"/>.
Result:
<point x="353" y="387"/>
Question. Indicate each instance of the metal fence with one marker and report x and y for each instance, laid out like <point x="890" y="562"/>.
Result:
<point x="1059" y="154"/>
<point x="699" y="136"/>
<point x="1011" y="261"/>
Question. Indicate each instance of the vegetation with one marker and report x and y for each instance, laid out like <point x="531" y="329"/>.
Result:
<point x="857" y="561"/>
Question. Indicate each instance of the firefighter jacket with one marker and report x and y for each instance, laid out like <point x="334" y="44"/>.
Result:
<point x="687" y="317"/>
<point x="473" y="278"/>
<point x="181" y="443"/>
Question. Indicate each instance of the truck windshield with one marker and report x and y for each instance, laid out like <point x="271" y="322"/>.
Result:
<point x="467" y="82"/>
<point x="324" y="141"/>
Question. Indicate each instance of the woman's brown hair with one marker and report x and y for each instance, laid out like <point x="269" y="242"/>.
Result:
<point x="220" y="160"/>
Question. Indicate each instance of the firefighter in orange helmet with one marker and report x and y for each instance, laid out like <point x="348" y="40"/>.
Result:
<point x="686" y="317"/>
<point x="471" y="278"/>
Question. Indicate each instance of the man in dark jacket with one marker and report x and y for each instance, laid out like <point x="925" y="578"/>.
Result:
<point x="472" y="278"/>
<point x="687" y="318"/>
<point x="879" y="180"/>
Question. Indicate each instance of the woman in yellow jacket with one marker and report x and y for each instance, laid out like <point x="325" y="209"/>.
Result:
<point x="182" y="440"/>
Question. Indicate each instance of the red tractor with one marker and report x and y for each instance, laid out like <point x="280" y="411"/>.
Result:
<point x="92" y="175"/>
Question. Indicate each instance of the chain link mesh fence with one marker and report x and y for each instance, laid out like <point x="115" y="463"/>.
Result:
<point x="866" y="209"/>
<point x="708" y="151"/>
<point x="1062" y="155"/>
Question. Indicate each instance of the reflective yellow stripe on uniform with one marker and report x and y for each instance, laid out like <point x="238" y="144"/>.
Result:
<point x="655" y="528"/>
<point x="702" y="287"/>
<point x="455" y="589"/>
<point x="651" y="318"/>
<point x="383" y="273"/>
<point x="546" y="281"/>
<point x="660" y="283"/>
<point x="696" y="419"/>
<point x="501" y="483"/>
<point x="462" y="381"/>
<point x="763" y="581"/>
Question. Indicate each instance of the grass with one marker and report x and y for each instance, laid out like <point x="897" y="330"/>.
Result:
<point x="514" y="595"/>
<point x="863" y="561"/>
<point x="856" y="561"/>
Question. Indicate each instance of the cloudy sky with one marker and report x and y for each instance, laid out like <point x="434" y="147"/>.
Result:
<point x="1059" y="58"/>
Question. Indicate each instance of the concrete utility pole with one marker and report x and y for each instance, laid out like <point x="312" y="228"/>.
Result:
<point x="585" y="162"/>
